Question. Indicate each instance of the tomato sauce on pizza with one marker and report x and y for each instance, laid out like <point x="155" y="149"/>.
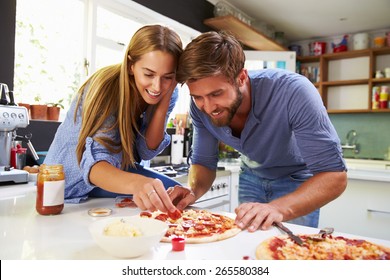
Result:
<point x="196" y="226"/>
<point x="327" y="248"/>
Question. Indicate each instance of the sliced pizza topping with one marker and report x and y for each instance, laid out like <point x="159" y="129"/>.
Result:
<point x="174" y="215"/>
<point x="196" y="226"/>
<point x="145" y="214"/>
<point x="330" y="248"/>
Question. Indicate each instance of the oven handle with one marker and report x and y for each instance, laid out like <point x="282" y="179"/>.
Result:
<point x="209" y="205"/>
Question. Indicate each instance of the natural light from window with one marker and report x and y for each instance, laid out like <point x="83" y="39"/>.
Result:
<point x="56" y="51"/>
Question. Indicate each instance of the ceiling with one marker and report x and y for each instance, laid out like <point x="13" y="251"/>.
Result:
<point x="307" y="19"/>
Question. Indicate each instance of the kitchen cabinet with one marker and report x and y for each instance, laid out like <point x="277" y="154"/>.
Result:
<point x="246" y="34"/>
<point x="364" y="207"/>
<point x="346" y="79"/>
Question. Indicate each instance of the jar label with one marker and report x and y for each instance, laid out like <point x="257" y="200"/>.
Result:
<point x="54" y="192"/>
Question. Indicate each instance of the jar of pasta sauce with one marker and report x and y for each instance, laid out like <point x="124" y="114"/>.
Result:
<point x="50" y="189"/>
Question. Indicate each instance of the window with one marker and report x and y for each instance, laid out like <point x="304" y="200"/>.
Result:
<point x="48" y="50"/>
<point x="55" y="51"/>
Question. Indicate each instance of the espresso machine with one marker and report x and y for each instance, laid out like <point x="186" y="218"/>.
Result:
<point x="11" y="118"/>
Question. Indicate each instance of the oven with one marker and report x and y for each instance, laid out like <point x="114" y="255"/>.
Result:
<point x="218" y="196"/>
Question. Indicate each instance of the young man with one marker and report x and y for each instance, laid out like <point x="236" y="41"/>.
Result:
<point x="292" y="160"/>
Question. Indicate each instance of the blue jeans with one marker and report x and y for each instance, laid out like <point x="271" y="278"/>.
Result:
<point x="254" y="188"/>
<point x="139" y="169"/>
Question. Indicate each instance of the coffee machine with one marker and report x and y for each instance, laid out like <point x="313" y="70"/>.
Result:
<point x="11" y="118"/>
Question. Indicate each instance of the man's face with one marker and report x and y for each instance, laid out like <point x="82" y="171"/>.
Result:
<point x="217" y="98"/>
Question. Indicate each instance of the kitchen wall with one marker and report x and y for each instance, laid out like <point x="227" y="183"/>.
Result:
<point x="7" y="42"/>
<point x="373" y="133"/>
<point x="189" y="12"/>
<point x="373" y="129"/>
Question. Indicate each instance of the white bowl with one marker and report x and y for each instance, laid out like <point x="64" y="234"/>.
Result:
<point x="127" y="246"/>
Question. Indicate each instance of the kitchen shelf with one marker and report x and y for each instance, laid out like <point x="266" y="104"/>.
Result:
<point x="309" y="59"/>
<point x="380" y="80"/>
<point x="345" y="55"/>
<point x="324" y="84"/>
<point x="246" y="34"/>
<point x="346" y="82"/>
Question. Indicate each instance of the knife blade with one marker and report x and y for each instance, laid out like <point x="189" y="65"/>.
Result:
<point x="294" y="237"/>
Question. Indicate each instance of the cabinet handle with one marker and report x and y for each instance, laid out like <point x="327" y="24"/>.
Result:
<point x="378" y="211"/>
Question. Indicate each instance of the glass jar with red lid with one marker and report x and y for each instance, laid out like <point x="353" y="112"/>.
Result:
<point x="50" y="189"/>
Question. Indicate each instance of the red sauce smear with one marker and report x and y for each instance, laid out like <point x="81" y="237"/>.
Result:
<point x="274" y="245"/>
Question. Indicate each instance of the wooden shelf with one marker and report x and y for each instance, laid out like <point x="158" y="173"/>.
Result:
<point x="309" y="59"/>
<point x="246" y="34"/>
<point x="380" y="80"/>
<point x="324" y="84"/>
<point x="346" y="82"/>
<point x="345" y="55"/>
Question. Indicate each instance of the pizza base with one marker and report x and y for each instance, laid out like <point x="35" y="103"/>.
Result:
<point x="207" y="239"/>
<point x="331" y="248"/>
<point x="203" y="236"/>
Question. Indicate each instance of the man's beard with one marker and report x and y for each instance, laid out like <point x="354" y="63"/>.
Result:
<point x="231" y="111"/>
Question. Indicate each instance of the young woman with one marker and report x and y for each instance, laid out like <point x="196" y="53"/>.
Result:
<point x="117" y="122"/>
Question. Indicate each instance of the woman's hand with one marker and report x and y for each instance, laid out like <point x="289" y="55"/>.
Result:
<point x="152" y="196"/>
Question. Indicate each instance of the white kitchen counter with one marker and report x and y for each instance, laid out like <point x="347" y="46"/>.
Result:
<point x="372" y="170"/>
<point x="28" y="235"/>
<point x="364" y="207"/>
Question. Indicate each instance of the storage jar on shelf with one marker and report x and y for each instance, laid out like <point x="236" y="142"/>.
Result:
<point x="384" y="97"/>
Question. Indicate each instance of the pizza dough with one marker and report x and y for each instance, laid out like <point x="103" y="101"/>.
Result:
<point x="329" y="248"/>
<point x="196" y="226"/>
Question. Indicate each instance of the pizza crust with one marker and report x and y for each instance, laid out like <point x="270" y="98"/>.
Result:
<point x="263" y="252"/>
<point x="208" y="239"/>
<point x="198" y="217"/>
<point x="331" y="248"/>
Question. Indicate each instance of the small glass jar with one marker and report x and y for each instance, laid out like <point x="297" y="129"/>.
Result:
<point x="50" y="189"/>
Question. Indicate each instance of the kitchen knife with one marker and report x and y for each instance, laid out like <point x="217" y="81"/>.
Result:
<point x="294" y="237"/>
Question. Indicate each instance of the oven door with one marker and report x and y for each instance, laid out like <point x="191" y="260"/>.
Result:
<point x="218" y="197"/>
<point x="215" y="204"/>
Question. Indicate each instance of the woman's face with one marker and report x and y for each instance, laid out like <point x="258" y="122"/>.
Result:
<point x="154" y="75"/>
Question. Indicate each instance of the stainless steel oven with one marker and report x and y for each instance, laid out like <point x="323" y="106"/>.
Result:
<point x="218" y="197"/>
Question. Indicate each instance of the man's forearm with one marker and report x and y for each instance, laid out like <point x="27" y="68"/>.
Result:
<point x="200" y="179"/>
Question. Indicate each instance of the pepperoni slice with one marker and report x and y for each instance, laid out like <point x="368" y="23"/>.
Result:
<point x="126" y="202"/>
<point x="145" y="214"/>
<point x="209" y="223"/>
<point x="187" y="224"/>
<point x="199" y="227"/>
<point x="175" y="214"/>
<point x="162" y="217"/>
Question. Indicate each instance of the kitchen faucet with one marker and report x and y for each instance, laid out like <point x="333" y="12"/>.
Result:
<point x="351" y="142"/>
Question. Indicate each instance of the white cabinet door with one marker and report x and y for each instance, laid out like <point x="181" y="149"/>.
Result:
<point x="363" y="209"/>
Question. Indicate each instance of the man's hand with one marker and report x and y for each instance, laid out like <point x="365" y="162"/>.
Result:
<point x="181" y="196"/>
<point x="256" y="215"/>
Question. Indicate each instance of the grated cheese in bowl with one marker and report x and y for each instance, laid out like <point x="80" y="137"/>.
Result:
<point x="121" y="228"/>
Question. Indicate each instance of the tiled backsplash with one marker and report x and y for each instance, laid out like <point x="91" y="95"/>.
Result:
<point x="373" y="133"/>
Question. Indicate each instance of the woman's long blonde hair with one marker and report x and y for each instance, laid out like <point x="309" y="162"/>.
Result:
<point x="112" y="91"/>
